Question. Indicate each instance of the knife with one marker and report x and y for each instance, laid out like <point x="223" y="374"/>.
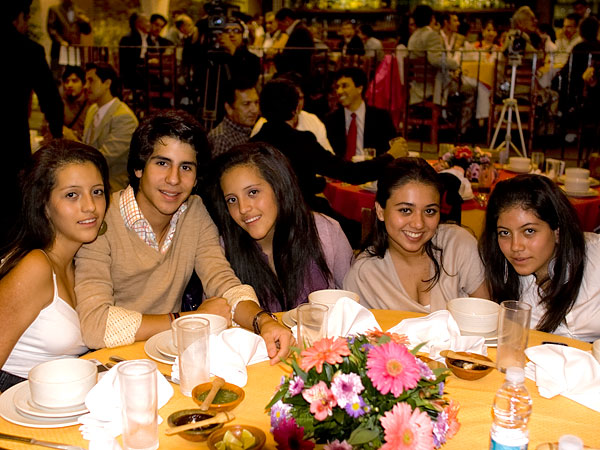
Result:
<point x="119" y="359"/>
<point x="32" y="441"/>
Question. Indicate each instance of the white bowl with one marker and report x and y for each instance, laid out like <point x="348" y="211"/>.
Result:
<point x="520" y="163"/>
<point x="576" y="172"/>
<point x="62" y="383"/>
<point x="475" y="315"/>
<point x="217" y="324"/>
<point x="577" y="184"/>
<point x="330" y="297"/>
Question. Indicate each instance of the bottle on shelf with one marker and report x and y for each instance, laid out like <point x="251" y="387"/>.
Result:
<point x="511" y="411"/>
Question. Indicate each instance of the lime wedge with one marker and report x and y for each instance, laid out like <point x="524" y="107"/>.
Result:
<point x="248" y="439"/>
<point x="231" y="440"/>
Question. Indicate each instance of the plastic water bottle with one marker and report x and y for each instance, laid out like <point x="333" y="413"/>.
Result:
<point x="511" y="411"/>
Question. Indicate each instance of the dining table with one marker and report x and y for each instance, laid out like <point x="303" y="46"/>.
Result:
<point x="349" y="200"/>
<point x="550" y="419"/>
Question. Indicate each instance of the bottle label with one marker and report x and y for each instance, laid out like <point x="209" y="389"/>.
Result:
<point x="498" y="446"/>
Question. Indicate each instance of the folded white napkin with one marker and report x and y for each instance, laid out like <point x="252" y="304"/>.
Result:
<point x="230" y="352"/>
<point x="346" y="318"/>
<point x="103" y="423"/>
<point x="440" y="332"/>
<point x="567" y="371"/>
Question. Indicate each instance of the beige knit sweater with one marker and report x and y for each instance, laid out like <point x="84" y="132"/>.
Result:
<point x="119" y="276"/>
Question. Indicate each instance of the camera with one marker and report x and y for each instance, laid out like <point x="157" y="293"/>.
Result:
<point x="516" y="45"/>
<point x="217" y="15"/>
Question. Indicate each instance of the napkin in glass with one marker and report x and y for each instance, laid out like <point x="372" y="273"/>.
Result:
<point x="567" y="371"/>
<point x="103" y="423"/>
<point x="230" y="352"/>
<point x="440" y="332"/>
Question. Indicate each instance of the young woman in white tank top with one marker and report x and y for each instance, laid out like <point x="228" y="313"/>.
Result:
<point x="65" y="196"/>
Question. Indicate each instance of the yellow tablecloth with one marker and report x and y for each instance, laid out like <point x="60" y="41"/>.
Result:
<point x="486" y="71"/>
<point x="551" y="418"/>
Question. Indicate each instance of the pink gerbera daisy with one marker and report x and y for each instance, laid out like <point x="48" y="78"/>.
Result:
<point x="391" y="367"/>
<point x="406" y="429"/>
<point x="326" y="350"/>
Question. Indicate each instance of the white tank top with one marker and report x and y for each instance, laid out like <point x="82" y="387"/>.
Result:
<point x="54" y="334"/>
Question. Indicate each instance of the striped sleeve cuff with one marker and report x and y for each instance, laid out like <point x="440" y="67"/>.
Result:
<point x="237" y="294"/>
<point x="121" y="326"/>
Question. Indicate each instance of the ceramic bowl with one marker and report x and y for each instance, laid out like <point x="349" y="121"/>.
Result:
<point x="577" y="184"/>
<point x="519" y="163"/>
<point x="469" y="374"/>
<point x="475" y="316"/>
<point x="219" y="407"/>
<point x="329" y="297"/>
<point x="193" y="415"/>
<point x="577" y="172"/>
<point x="62" y="383"/>
<point x="237" y="430"/>
<point x="217" y="324"/>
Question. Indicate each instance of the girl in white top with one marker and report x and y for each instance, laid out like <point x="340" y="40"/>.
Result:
<point x="65" y="195"/>
<point x="534" y="251"/>
<point x="410" y="262"/>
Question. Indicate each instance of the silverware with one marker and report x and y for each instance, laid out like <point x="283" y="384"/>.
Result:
<point x="32" y="441"/>
<point x="101" y="367"/>
<point x="119" y="359"/>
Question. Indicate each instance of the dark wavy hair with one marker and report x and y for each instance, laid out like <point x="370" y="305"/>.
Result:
<point x="35" y="230"/>
<point x="178" y="125"/>
<point x="296" y="244"/>
<point x="539" y="195"/>
<point x="397" y="174"/>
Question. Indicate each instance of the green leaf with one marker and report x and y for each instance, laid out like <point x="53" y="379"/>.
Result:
<point x="362" y="435"/>
<point x="278" y="396"/>
<point x="415" y="350"/>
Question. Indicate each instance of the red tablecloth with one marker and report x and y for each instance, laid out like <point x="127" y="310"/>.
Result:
<point x="349" y="200"/>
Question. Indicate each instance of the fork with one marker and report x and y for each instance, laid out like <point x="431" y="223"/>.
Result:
<point x="118" y="359"/>
<point x="32" y="441"/>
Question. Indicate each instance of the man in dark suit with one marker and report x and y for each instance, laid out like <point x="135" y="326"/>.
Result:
<point x="355" y="126"/>
<point x="351" y="44"/>
<point x="296" y="56"/>
<point x="157" y="23"/>
<point x="28" y="72"/>
<point x="132" y="51"/>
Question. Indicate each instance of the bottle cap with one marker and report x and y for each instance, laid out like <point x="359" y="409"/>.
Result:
<point x="570" y="442"/>
<point x="515" y="375"/>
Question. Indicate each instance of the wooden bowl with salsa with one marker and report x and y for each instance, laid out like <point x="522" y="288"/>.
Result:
<point x="228" y="397"/>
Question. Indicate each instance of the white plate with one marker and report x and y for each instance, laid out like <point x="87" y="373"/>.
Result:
<point x="164" y="344"/>
<point x="490" y="339"/>
<point x="152" y="351"/>
<point x="512" y="169"/>
<point x="289" y="318"/>
<point x="24" y="404"/>
<point x="9" y="412"/>
<point x="593" y="181"/>
<point x="590" y="192"/>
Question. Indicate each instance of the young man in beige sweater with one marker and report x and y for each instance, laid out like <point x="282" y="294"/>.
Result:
<point x="130" y="280"/>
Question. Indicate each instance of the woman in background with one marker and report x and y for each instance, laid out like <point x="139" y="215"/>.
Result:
<point x="65" y="195"/>
<point x="533" y="250"/>
<point x="271" y="238"/>
<point x="410" y="262"/>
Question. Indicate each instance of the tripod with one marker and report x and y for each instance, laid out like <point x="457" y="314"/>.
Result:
<point x="510" y="105"/>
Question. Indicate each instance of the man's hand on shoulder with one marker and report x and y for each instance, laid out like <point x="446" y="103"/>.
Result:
<point x="218" y="306"/>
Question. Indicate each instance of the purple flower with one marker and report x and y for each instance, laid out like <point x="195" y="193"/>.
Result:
<point x="426" y="372"/>
<point x="441" y="388"/>
<point x="440" y="429"/>
<point x="296" y="386"/>
<point x="337" y="445"/>
<point x="357" y="408"/>
<point x="346" y="387"/>
<point x="366" y="348"/>
<point x="279" y="411"/>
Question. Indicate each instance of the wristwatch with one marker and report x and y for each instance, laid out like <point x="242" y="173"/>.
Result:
<point x="255" y="325"/>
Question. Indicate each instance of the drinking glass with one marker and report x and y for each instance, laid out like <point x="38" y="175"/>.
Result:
<point x="513" y="333"/>
<point x="312" y="323"/>
<point x="554" y="168"/>
<point x="193" y="349"/>
<point x="537" y="160"/>
<point x="139" y="404"/>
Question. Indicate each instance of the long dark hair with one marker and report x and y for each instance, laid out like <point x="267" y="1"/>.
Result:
<point x="35" y="230"/>
<point x="539" y="195"/>
<point x="398" y="173"/>
<point x="296" y="244"/>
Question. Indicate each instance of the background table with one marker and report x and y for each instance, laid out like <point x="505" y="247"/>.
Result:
<point x="551" y="418"/>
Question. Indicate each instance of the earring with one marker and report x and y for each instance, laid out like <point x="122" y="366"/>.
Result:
<point x="103" y="228"/>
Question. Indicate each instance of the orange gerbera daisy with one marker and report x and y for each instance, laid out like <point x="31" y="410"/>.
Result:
<point x="327" y="350"/>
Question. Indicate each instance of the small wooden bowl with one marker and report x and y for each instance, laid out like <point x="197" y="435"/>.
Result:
<point x="469" y="374"/>
<point x="193" y="415"/>
<point x="236" y="430"/>
<point x="219" y="407"/>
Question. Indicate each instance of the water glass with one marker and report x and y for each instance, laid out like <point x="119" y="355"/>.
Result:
<point x="513" y="333"/>
<point x="312" y="324"/>
<point x="554" y="168"/>
<point x="193" y="349"/>
<point x="537" y="160"/>
<point x="139" y="404"/>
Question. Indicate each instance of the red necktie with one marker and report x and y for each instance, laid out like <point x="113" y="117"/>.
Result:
<point x="351" y="139"/>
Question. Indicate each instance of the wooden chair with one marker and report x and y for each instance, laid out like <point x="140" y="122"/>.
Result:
<point x="526" y="89"/>
<point x="426" y="112"/>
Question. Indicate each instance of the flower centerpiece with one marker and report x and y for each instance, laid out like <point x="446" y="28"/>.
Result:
<point x="364" y="391"/>
<point x="472" y="161"/>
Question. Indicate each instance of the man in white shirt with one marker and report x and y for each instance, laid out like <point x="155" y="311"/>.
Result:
<point x="109" y="122"/>
<point x="568" y="39"/>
